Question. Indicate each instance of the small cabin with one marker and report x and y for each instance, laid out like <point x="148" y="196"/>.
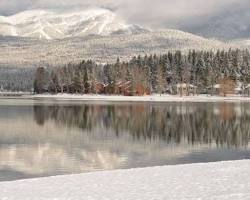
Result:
<point x="238" y="90"/>
<point x="109" y="88"/>
<point x="98" y="87"/>
<point x="246" y="90"/>
<point x="126" y="88"/>
<point x="214" y="89"/>
<point x="141" y="90"/>
<point x="226" y="89"/>
<point x="184" y="89"/>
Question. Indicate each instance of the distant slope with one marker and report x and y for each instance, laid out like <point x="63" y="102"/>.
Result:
<point x="241" y="42"/>
<point x="231" y="24"/>
<point x="55" y="24"/>
<point x="34" y="52"/>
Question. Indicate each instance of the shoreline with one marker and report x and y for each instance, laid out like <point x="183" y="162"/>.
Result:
<point x="151" y="98"/>
<point x="219" y="180"/>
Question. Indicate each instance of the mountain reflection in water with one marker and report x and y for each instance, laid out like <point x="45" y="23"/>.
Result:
<point x="50" y="138"/>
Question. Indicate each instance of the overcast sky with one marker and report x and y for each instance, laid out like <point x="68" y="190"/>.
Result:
<point x="183" y="14"/>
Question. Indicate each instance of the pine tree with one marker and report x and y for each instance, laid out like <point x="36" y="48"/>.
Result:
<point x="40" y="80"/>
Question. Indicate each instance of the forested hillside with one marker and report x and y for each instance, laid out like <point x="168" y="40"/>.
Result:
<point x="30" y="52"/>
<point x="202" y="70"/>
<point x="16" y="79"/>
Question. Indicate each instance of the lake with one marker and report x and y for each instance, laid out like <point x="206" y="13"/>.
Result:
<point x="44" y="138"/>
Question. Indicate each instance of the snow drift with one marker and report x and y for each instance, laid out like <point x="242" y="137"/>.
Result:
<point x="223" y="180"/>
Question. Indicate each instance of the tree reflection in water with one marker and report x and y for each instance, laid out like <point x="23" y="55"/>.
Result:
<point x="225" y="124"/>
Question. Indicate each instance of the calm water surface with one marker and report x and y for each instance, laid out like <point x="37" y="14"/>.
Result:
<point x="44" y="138"/>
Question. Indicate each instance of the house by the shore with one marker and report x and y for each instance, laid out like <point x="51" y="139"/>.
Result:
<point x="223" y="89"/>
<point x="126" y="88"/>
<point x="246" y="90"/>
<point x="184" y="89"/>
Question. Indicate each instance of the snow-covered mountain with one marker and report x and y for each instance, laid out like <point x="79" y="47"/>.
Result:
<point x="54" y="37"/>
<point x="57" y="24"/>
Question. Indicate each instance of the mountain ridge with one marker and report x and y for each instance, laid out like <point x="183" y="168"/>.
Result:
<point x="58" y="24"/>
<point x="73" y="39"/>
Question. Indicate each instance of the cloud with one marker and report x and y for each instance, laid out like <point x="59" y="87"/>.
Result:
<point x="231" y="23"/>
<point x="169" y="12"/>
<point x="8" y="7"/>
<point x="144" y="8"/>
<point x="13" y="6"/>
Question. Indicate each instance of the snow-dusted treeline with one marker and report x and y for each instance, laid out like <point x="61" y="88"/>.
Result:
<point x="16" y="79"/>
<point x="200" y="70"/>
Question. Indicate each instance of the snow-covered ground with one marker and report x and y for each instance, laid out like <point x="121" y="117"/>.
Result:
<point x="152" y="98"/>
<point x="222" y="180"/>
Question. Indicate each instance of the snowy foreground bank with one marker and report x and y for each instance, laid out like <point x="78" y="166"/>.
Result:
<point x="152" y="98"/>
<point x="222" y="180"/>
